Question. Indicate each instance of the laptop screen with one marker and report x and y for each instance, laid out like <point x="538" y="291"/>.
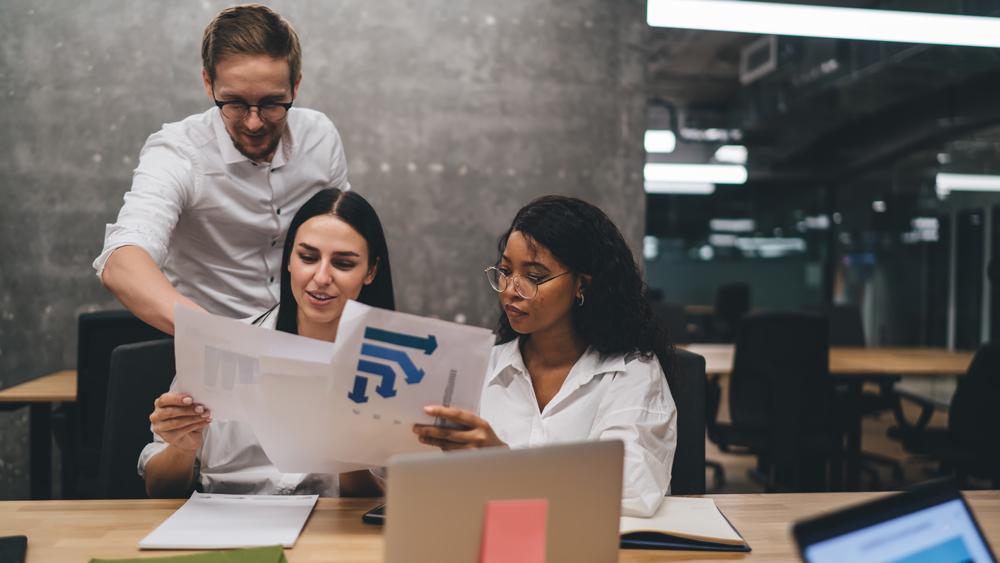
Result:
<point x="944" y="533"/>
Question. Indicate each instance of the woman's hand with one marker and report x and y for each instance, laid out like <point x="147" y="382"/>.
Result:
<point x="477" y="432"/>
<point x="180" y="421"/>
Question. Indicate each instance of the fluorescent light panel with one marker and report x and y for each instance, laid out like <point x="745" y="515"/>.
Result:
<point x="824" y="21"/>
<point x="731" y="154"/>
<point x="696" y="173"/>
<point x="660" y="141"/>
<point x="967" y="183"/>
<point x="679" y="188"/>
<point x="732" y="225"/>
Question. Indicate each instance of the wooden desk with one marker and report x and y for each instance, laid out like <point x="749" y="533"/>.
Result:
<point x="846" y="361"/>
<point x="79" y="530"/>
<point x="39" y="395"/>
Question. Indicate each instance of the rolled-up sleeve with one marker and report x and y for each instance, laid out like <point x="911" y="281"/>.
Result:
<point x="161" y="186"/>
<point x="641" y="413"/>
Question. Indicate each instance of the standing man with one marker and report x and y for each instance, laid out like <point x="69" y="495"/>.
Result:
<point x="212" y="196"/>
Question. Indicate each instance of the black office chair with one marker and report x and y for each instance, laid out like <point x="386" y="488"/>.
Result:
<point x="99" y="334"/>
<point x="967" y="447"/>
<point x="139" y="374"/>
<point x="732" y="302"/>
<point x="781" y="400"/>
<point x="688" y="474"/>
<point x="671" y="316"/>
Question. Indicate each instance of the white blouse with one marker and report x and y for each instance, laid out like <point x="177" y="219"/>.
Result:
<point x="232" y="461"/>
<point x="602" y="398"/>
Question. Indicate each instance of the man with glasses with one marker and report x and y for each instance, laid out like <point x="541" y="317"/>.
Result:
<point x="212" y="196"/>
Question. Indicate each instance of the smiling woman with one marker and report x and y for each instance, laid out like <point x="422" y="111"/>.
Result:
<point x="334" y="251"/>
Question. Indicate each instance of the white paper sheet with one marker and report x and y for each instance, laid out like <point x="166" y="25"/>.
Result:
<point x="315" y="406"/>
<point x="211" y="521"/>
<point x="216" y="355"/>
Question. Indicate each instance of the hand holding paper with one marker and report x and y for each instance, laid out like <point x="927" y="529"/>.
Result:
<point x="312" y="404"/>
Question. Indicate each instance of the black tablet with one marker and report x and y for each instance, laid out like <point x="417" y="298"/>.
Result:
<point x="13" y="549"/>
<point x="929" y="523"/>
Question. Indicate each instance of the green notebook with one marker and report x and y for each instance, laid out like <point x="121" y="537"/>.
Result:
<point x="270" y="554"/>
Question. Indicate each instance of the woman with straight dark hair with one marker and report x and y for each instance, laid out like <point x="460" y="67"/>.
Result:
<point x="334" y="251"/>
<point x="577" y="350"/>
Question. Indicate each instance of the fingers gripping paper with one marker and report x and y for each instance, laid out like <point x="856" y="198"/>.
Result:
<point x="313" y="404"/>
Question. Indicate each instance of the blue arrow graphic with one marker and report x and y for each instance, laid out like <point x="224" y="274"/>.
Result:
<point x="413" y="375"/>
<point x="358" y="394"/>
<point x="428" y="345"/>
<point x="387" y="388"/>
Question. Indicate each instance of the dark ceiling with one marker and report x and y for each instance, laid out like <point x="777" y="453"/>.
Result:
<point x="832" y="111"/>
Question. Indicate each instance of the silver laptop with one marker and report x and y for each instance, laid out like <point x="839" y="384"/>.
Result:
<point x="435" y="502"/>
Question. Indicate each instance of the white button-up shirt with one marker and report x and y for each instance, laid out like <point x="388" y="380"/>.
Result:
<point x="602" y="398"/>
<point x="213" y="220"/>
<point x="232" y="461"/>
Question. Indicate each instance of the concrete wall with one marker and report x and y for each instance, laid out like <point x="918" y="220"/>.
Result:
<point x="454" y="114"/>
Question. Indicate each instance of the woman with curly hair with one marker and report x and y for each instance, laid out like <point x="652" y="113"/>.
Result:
<point x="577" y="350"/>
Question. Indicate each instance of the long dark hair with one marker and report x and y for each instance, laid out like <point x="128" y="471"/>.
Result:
<point x="616" y="317"/>
<point x="359" y="214"/>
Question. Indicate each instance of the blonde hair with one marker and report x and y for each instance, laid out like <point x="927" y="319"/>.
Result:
<point x="251" y="29"/>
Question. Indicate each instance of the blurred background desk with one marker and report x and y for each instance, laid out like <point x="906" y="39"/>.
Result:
<point x="891" y="361"/>
<point x="79" y="530"/>
<point x="39" y="395"/>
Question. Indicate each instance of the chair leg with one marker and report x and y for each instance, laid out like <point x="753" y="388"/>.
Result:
<point x="718" y="474"/>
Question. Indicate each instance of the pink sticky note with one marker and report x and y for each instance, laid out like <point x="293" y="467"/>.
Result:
<point x="514" y="531"/>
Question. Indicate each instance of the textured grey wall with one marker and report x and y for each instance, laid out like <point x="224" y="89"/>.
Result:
<point x="453" y="114"/>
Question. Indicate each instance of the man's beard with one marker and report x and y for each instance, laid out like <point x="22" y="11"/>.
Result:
<point x="264" y="154"/>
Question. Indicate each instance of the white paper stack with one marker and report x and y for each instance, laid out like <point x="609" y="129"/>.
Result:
<point x="211" y="521"/>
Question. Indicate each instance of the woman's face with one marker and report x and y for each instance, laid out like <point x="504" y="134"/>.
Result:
<point x="328" y="266"/>
<point x="552" y="306"/>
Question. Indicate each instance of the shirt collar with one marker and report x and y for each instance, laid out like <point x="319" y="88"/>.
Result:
<point x="229" y="152"/>
<point x="590" y="365"/>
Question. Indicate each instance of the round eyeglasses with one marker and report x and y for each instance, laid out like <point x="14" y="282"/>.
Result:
<point x="238" y="110"/>
<point x="523" y="286"/>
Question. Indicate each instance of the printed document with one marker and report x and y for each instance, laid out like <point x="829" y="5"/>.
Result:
<point x="315" y="405"/>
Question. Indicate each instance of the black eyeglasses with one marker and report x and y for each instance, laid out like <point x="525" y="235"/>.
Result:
<point x="238" y="110"/>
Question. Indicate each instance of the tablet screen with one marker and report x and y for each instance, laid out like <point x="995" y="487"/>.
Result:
<point x="944" y="533"/>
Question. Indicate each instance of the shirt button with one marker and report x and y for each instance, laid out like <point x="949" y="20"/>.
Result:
<point x="271" y="279"/>
<point x="279" y="211"/>
<point x="274" y="242"/>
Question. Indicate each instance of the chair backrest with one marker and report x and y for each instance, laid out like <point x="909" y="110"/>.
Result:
<point x="98" y="335"/>
<point x="780" y="381"/>
<point x="973" y="422"/>
<point x="673" y="320"/>
<point x="846" y="328"/>
<point x="732" y="301"/>
<point x="688" y="474"/>
<point x="139" y="374"/>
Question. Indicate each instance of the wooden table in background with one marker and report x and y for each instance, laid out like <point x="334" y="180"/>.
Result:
<point x="39" y="395"/>
<point x="846" y="361"/>
<point x="81" y="529"/>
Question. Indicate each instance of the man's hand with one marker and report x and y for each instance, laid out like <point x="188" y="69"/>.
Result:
<point x="477" y="432"/>
<point x="180" y="421"/>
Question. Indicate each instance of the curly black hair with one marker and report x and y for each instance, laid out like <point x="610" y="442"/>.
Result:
<point x="616" y="317"/>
